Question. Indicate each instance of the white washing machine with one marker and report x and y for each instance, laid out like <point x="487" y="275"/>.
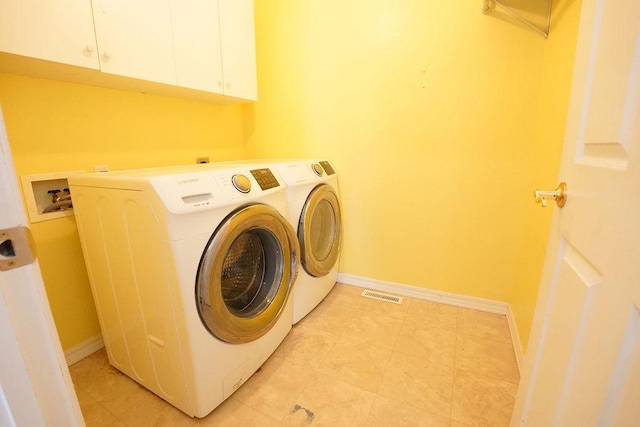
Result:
<point x="191" y="270"/>
<point x="313" y="200"/>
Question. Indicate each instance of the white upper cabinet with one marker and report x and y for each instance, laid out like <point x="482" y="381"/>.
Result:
<point x="135" y="39"/>
<point x="215" y="47"/>
<point x="238" y="42"/>
<point x="205" y="45"/>
<point x="196" y="37"/>
<point x="50" y="30"/>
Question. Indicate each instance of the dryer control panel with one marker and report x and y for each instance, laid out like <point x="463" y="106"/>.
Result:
<point x="327" y="167"/>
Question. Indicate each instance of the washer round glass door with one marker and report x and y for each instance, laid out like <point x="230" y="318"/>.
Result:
<point x="320" y="231"/>
<point x="246" y="274"/>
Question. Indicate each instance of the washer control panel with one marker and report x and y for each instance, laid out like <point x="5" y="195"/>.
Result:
<point x="265" y="178"/>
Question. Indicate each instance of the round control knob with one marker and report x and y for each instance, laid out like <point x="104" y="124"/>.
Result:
<point x="317" y="169"/>
<point x="241" y="183"/>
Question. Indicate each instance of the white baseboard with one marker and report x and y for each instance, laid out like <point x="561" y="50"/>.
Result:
<point x="515" y="338"/>
<point x="425" y="294"/>
<point x="84" y="349"/>
<point x="473" y="303"/>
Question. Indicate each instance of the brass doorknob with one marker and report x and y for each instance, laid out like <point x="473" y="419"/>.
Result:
<point x="559" y="195"/>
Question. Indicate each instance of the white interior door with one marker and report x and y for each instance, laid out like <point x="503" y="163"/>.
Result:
<point x="35" y="385"/>
<point x="582" y="367"/>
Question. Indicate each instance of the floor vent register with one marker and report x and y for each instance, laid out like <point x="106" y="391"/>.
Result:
<point x="382" y="296"/>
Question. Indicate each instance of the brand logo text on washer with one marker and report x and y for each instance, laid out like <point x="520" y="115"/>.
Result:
<point x="187" y="181"/>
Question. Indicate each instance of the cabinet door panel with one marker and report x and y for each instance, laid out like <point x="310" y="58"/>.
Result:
<point x="196" y="36"/>
<point x="51" y="30"/>
<point x="134" y="39"/>
<point x="237" y="34"/>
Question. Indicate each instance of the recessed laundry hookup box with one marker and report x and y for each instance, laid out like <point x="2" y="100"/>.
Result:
<point x="47" y="195"/>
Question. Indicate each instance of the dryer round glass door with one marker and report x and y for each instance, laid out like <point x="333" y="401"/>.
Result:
<point x="246" y="274"/>
<point x="320" y="231"/>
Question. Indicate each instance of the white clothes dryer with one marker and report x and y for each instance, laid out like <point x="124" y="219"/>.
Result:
<point x="191" y="270"/>
<point x="313" y="201"/>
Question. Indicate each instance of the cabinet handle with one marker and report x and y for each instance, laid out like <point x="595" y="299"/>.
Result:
<point x="106" y="56"/>
<point x="228" y="85"/>
<point x="88" y="50"/>
<point x="220" y="83"/>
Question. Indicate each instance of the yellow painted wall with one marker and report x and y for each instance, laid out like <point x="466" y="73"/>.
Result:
<point x="544" y="162"/>
<point x="430" y="112"/>
<point x="55" y="126"/>
<point x="427" y="110"/>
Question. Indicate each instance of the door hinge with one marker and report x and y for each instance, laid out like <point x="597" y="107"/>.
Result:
<point x="15" y="248"/>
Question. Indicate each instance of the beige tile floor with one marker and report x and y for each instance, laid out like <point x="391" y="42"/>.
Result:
<point x="353" y="361"/>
